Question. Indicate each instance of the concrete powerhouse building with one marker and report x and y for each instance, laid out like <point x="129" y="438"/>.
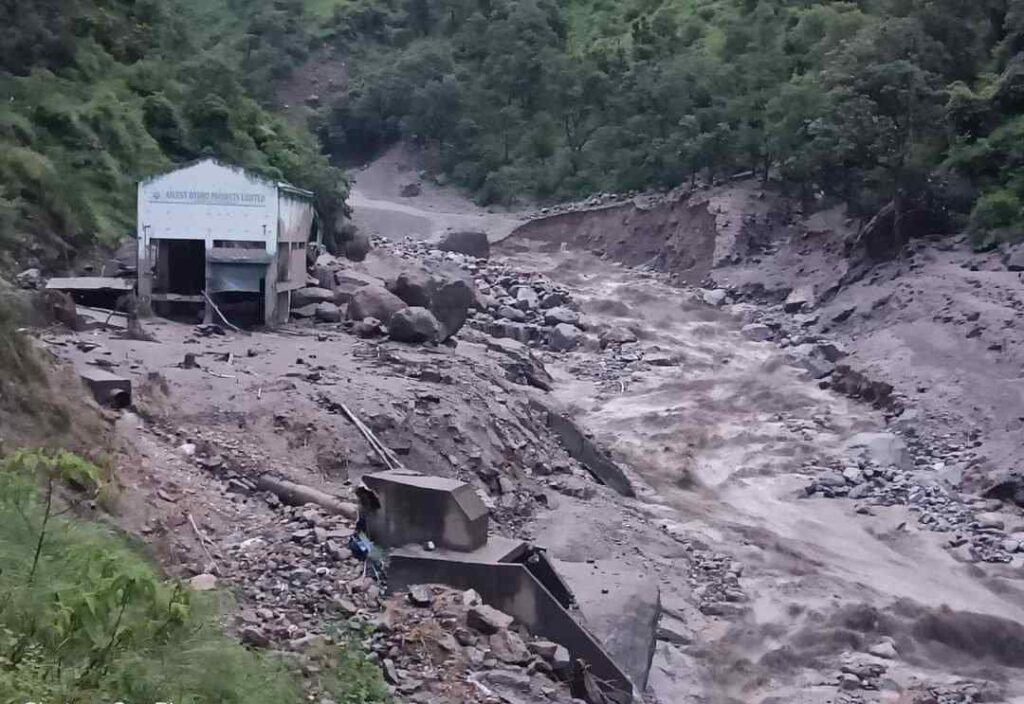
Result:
<point x="237" y="236"/>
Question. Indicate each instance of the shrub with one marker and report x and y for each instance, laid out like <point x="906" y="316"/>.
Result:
<point x="84" y="619"/>
<point x="996" y="210"/>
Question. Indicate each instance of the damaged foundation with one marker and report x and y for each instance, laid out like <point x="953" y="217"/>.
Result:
<point x="436" y="533"/>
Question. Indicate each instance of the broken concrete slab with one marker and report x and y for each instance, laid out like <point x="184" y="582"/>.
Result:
<point x="403" y="507"/>
<point x="108" y="389"/>
<point x="621" y="607"/>
<point x="583" y="449"/>
<point x="90" y="318"/>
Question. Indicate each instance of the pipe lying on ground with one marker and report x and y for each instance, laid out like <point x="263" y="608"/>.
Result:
<point x="299" y="494"/>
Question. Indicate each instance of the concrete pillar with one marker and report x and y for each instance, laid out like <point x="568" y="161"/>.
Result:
<point x="270" y="312"/>
<point x="208" y="317"/>
<point x="144" y="276"/>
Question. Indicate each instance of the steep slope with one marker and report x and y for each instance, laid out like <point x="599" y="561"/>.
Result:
<point x="99" y="94"/>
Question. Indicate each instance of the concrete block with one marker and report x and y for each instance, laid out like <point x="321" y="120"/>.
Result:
<point x="108" y="389"/>
<point x="416" y="508"/>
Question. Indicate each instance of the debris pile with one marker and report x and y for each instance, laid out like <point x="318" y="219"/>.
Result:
<point x="464" y="650"/>
<point x="977" y="529"/>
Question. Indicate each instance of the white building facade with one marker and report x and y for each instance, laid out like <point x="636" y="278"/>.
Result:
<point x="210" y="229"/>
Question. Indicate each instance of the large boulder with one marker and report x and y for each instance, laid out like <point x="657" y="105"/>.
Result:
<point x="510" y="313"/>
<point x="473" y="244"/>
<point x="526" y="298"/>
<point x="374" y="302"/>
<point x="358" y="246"/>
<point x="714" y="297"/>
<point x="1014" y="260"/>
<point x="414" y="287"/>
<point x="757" y="332"/>
<point x="414" y="324"/>
<point x="311" y="295"/>
<point x="617" y="335"/>
<point x="553" y="299"/>
<point x="450" y="304"/>
<point x="328" y="312"/>
<point x="368" y="327"/>
<point x="561" y="314"/>
<point x="324" y="269"/>
<point x="798" y="299"/>
<point x="564" y="337"/>
<point x="347" y="282"/>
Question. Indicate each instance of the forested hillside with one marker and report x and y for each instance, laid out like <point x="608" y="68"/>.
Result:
<point x="919" y="99"/>
<point x="906" y="102"/>
<point x="98" y="93"/>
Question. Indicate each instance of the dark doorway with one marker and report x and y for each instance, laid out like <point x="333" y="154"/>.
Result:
<point x="186" y="266"/>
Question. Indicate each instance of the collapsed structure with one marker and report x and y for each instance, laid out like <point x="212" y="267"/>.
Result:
<point x="436" y="532"/>
<point x="209" y="232"/>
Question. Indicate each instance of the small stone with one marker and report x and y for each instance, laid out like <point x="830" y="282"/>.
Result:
<point x="885" y="649"/>
<point x="390" y="671"/>
<point x="714" y="297"/>
<point x="345" y="606"/>
<point x="336" y="551"/>
<point x="465" y="637"/>
<point x="510" y="313"/>
<point x="849" y="681"/>
<point x="254" y="637"/>
<point x="202" y="583"/>
<point x="617" y="335"/>
<point x="447" y="642"/>
<point x="561" y="659"/>
<point x="756" y="332"/>
<point x="420" y="595"/>
<point x="545" y="648"/>
<point x="508" y="647"/>
<point x="487" y="620"/>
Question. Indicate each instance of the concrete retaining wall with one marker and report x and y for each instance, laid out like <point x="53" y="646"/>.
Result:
<point x="514" y="590"/>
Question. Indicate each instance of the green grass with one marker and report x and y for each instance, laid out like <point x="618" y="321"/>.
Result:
<point x="84" y="618"/>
